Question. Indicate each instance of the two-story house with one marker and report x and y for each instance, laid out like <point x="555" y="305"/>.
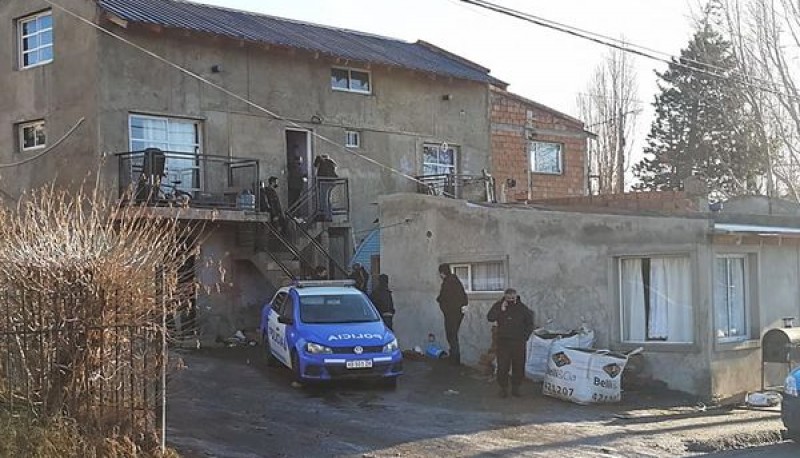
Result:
<point x="179" y="98"/>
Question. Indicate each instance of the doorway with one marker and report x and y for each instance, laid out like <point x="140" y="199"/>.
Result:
<point x="298" y="163"/>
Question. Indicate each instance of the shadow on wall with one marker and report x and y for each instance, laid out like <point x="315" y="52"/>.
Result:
<point x="251" y="290"/>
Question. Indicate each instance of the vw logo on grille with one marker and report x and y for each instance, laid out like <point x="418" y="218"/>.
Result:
<point x="358" y="350"/>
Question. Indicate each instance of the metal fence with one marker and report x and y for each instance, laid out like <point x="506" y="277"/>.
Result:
<point x="86" y="353"/>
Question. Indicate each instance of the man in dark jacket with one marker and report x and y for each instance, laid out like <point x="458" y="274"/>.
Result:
<point x="382" y="298"/>
<point x="271" y="202"/>
<point x="360" y="276"/>
<point x="514" y="326"/>
<point x="452" y="301"/>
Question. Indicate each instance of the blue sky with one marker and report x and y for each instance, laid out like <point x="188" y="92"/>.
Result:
<point x="540" y="64"/>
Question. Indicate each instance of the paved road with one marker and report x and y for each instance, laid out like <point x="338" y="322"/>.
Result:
<point x="226" y="404"/>
<point x="785" y="450"/>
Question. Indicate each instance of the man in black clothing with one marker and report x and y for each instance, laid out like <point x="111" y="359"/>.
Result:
<point x="514" y="326"/>
<point x="272" y="202"/>
<point x="360" y="276"/>
<point x="382" y="298"/>
<point x="452" y="301"/>
<point x="326" y="171"/>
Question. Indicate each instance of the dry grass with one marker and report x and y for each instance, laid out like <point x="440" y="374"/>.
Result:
<point x="84" y="287"/>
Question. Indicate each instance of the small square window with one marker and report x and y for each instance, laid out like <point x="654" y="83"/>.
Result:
<point x="32" y="135"/>
<point x="345" y="79"/>
<point x="546" y="158"/>
<point x="352" y="139"/>
<point x="35" y="39"/>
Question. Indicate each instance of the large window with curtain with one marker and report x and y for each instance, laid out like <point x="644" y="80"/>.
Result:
<point x="173" y="135"/>
<point x="730" y="298"/>
<point x="656" y="297"/>
<point x="481" y="276"/>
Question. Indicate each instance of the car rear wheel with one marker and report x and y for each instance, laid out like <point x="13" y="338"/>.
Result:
<point x="272" y="361"/>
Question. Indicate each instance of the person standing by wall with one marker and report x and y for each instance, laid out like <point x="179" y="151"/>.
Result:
<point x="360" y="276"/>
<point x="382" y="298"/>
<point x="326" y="172"/>
<point x="514" y="327"/>
<point x="453" y="302"/>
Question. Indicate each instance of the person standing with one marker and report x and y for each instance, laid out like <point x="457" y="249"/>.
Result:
<point x="453" y="302"/>
<point x="382" y="298"/>
<point x="326" y="173"/>
<point x="272" y="202"/>
<point x="514" y="327"/>
<point x="360" y="276"/>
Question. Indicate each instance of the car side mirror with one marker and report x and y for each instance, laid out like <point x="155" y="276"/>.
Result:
<point x="285" y="320"/>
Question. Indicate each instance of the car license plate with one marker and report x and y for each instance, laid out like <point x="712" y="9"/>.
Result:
<point x="359" y="364"/>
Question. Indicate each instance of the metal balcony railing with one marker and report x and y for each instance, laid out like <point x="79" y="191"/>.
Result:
<point x="325" y="200"/>
<point x="171" y="178"/>
<point x="470" y="187"/>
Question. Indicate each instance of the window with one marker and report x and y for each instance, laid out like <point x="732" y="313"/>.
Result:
<point x="35" y="40"/>
<point x="730" y="298"/>
<point x="438" y="160"/>
<point x="546" y="158"/>
<point x="32" y="135"/>
<point x="180" y="137"/>
<point x="352" y="139"/>
<point x="345" y="79"/>
<point x="656" y="297"/>
<point x="482" y="276"/>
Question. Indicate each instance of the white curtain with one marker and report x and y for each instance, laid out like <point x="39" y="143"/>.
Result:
<point x="658" y="319"/>
<point x="488" y="276"/>
<point x="721" y="291"/>
<point x="680" y="317"/>
<point x="737" y="297"/>
<point x="633" y="300"/>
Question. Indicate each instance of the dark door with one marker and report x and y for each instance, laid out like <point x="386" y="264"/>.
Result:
<point x="298" y="163"/>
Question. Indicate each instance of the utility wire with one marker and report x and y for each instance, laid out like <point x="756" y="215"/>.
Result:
<point x="229" y="92"/>
<point x="629" y="48"/>
<point x="48" y="149"/>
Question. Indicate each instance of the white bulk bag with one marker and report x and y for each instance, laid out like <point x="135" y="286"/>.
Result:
<point x="585" y="376"/>
<point x="538" y="349"/>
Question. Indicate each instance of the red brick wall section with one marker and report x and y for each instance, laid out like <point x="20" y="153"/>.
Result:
<point x="511" y="116"/>
<point x="661" y="201"/>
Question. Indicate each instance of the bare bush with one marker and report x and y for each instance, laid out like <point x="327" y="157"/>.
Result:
<point x="85" y="286"/>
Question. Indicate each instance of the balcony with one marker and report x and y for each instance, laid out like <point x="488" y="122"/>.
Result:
<point x="478" y="188"/>
<point x="200" y="183"/>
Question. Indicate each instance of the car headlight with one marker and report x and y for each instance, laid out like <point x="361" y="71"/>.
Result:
<point x="317" y="349"/>
<point x="391" y="347"/>
<point x="790" y="386"/>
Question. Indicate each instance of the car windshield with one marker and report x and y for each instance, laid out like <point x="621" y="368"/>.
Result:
<point x="337" y="308"/>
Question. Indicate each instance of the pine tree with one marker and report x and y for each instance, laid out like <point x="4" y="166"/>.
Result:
<point x="703" y="124"/>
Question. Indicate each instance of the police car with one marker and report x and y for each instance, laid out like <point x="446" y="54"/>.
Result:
<point x="328" y="330"/>
<point x="790" y="407"/>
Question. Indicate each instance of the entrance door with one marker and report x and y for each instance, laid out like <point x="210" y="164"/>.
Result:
<point x="298" y="163"/>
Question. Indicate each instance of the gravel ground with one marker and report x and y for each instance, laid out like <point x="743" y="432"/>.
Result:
<point x="226" y="403"/>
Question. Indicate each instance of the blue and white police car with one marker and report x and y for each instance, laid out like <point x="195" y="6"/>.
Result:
<point x="790" y="407"/>
<point x="329" y="330"/>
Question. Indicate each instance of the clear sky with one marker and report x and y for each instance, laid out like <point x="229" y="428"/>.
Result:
<point x="543" y="65"/>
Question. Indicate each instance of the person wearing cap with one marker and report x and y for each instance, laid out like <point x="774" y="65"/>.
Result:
<point x="514" y="327"/>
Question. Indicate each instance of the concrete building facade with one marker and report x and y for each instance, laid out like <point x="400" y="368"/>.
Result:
<point x="716" y="283"/>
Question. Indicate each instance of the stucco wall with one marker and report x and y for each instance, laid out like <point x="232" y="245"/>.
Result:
<point x="405" y="109"/>
<point x="60" y="92"/>
<point x="563" y="265"/>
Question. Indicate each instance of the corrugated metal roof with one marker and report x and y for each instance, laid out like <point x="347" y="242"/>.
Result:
<point x="347" y="44"/>
<point x="369" y="247"/>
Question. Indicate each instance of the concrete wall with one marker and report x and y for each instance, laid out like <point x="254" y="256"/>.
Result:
<point x="405" y="109"/>
<point x="563" y="265"/>
<point x="60" y="92"/>
<point x="775" y="294"/>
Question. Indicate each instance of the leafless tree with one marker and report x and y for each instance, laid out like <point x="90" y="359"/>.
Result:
<point x="610" y="109"/>
<point x="766" y="38"/>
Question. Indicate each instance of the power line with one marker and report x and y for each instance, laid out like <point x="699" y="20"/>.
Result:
<point x="628" y="47"/>
<point x="48" y="149"/>
<point x="228" y="92"/>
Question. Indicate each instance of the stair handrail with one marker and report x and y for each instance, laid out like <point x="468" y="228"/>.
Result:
<point x="288" y="245"/>
<point x="318" y="246"/>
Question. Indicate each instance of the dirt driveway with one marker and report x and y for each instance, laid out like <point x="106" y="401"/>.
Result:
<point x="226" y="403"/>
